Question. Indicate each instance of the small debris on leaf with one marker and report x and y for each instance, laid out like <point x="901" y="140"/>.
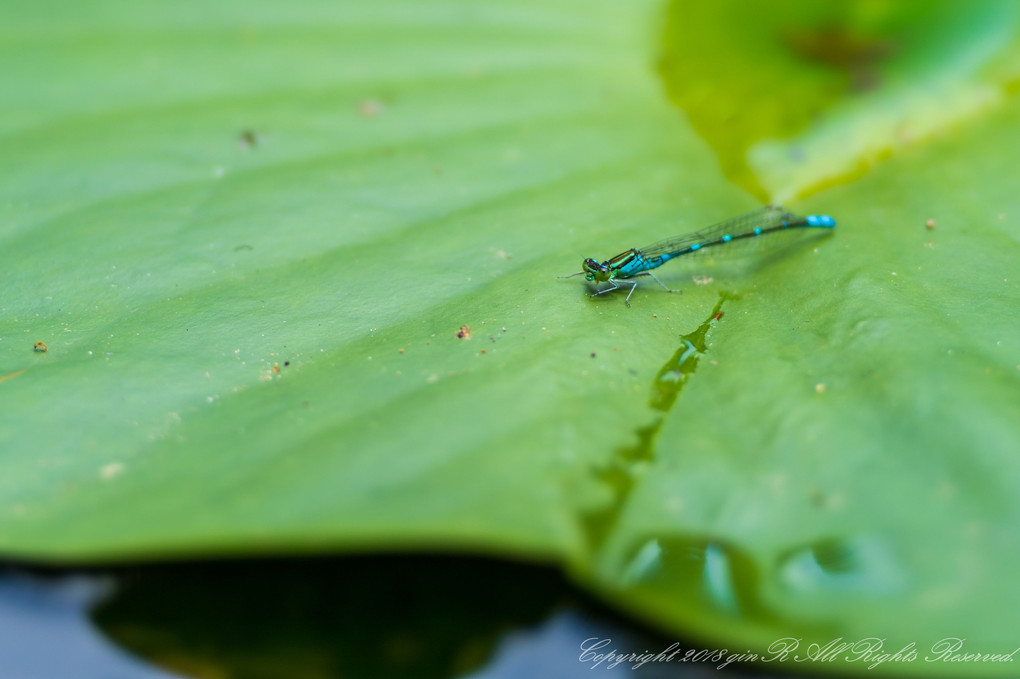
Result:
<point x="249" y="139"/>
<point x="370" y="108"/>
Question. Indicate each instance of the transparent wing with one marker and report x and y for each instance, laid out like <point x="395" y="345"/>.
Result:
<point x="764" y="218"/>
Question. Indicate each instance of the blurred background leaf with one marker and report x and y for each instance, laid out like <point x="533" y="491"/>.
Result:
<point x="795" y="96"/>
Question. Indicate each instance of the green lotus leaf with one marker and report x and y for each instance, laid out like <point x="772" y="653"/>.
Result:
<point x="295" y="271"/>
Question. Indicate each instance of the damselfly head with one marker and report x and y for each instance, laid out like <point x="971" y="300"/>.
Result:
<point x="593" y="271"/>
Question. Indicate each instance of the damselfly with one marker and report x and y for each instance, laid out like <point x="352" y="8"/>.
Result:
<point x="622" y="269"/>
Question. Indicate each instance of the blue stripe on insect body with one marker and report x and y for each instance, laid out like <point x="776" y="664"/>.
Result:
<point x="663" y="258"/>
<point x="823" y="221"/>
<point x="634" y="263"/>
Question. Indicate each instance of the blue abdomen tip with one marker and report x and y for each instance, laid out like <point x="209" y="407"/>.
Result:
<point x="824" y="221"/>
